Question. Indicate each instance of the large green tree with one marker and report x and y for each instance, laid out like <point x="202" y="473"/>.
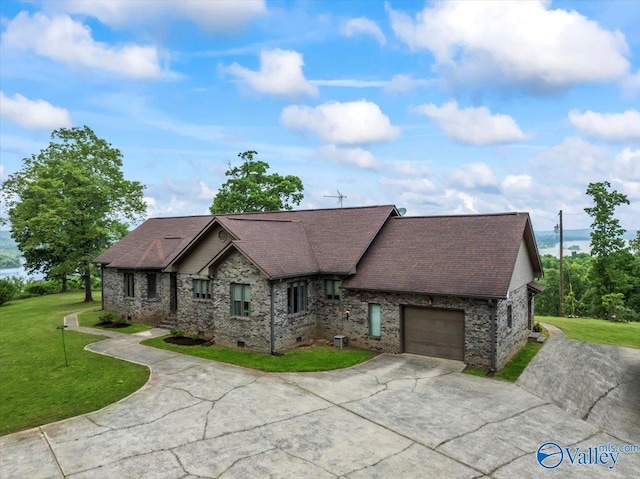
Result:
<point x="251" y="188"/>
<point x="607" y="246"/>
<point x="70" y="202"/>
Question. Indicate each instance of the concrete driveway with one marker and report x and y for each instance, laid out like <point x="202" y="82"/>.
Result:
<point x="394" y="416"/>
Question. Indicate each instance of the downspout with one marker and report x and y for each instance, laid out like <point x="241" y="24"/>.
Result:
<point x="273" y="321"/>
<point x="492" y="319"/>
<point x="102" y="285"/>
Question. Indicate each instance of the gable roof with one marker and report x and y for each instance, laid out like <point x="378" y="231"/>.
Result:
<point x="329" y="241"/>
<point x="472" y="255"/>
<point x="282" y="244"/>
<point x="155" y="243"/>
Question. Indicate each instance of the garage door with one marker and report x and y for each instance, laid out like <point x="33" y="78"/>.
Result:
<point x="434" y="332"/>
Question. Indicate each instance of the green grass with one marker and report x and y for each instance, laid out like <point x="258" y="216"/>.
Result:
<point x="90" y="319"/>
<point x="597" y="330"/>
<point x="305" y="359"/>
<point x="513" y="369"/>
<point x="35" y="386"/>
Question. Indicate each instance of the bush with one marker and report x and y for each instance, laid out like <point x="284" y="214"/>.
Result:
<point x="42" y="287"/>
<point x="177" y="333"/>
<point x="7" y="290"/>
<point x="537" y="328"/>
<point x="110" y="317"/>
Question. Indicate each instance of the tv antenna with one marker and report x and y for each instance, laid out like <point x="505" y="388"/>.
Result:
<point x="340" y="197"/>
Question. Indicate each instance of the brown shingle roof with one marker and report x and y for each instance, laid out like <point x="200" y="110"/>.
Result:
<point x="279" y="248"/>
<point x="155" y="243"/>
<point x="453" y="255"/>
<point x="337" y="237"/>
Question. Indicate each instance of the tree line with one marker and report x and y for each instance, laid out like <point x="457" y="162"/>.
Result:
<point x="605" y="283"/>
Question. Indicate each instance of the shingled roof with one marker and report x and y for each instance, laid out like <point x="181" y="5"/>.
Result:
<point x="282" y="244"/>
<point x="471" y="255"/>
<point x="329" y="241"/>
<point x="155" y="243"/>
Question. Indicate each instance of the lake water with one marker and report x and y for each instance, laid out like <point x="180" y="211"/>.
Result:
<point x="20" y="273"/>
<point x="585" y="247"/>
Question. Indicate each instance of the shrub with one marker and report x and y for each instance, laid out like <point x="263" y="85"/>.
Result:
<point x="110" y="317"/>
<point x="7" y="290"/>
<point x="177" y="333"/>
<point x="42" y="287"/>
<point x="536" y="327"/>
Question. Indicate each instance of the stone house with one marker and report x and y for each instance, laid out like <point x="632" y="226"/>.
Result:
<point x="458" y="287"/>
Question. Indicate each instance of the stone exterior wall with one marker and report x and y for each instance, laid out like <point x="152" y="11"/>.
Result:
<point x="138" y="308"/>
<point x="291" y="329"/>
<point x="194" y="315"/>
<point x="477" y="321"/>
<point x="323" y="317"/>
<point x="254" y="330"/>
<point x="511" y="339"/>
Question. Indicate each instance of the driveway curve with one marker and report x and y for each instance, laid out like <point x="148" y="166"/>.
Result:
<point x="393" y="416"/>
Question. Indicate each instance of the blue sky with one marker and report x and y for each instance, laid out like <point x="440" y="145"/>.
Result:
<point x="437" y="107"/>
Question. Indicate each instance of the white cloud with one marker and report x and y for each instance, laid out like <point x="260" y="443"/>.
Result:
<point x="401" y="83"/>
<point x="214" y="16"/>
<point x="62" y="39"/>
<point x="355" y="122"/>
<point x="280" y="74"/>
<point x="363" y="26"/>
<point x="349" y="156"/>
<point x="610" y="126"/>
<point x="33" y="113"/>
<point x="525" y="42"/>
<point x="476" y="126"/>
<point x="474" y="176"/>
<point x="516" y="184"/>
<point x="351" y="83"/>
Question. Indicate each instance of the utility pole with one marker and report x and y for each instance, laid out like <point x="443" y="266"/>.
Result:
<point x="561" y="292"/>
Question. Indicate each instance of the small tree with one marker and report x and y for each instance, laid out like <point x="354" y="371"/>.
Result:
<point x="606" y="244"/>
<point x="70" y="202"/>
<point x="250" y="188"/>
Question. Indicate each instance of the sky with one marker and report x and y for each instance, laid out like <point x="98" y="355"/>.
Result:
<point x="436" y="107"/>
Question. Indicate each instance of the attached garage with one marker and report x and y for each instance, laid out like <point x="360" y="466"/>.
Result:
<point x="433" y="332"/>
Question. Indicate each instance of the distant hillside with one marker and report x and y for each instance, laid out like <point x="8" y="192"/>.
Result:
<point x="9" y="252"/>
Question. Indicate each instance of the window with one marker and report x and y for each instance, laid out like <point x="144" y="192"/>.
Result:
<point x="332" y="287"/>
<point x="297" y="297"/>
<point x="509" y="317"/>
<point x="202" y="288"/>
<point x="129" y="285"/>
<point x="151" y="286"/>
<point x="240" y="299"/>
<point x="374" y="320"/>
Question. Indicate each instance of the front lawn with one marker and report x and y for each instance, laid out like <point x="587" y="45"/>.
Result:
<point x="303" y="359"/>
<point x="597" y="330"/>
<point x="91" y="319"/>
<point x="35" y="386"/>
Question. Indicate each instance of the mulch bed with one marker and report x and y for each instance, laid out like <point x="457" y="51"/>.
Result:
<point x="112" y="325"/>
<point x="185" y="341"/>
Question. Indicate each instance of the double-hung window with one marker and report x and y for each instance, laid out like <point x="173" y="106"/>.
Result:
<point x="152" y="286"/>
<point x="332" y="287"/>
<point x="297" y="297"/>
<point x="240" y="299"/>
<point x="202" y="289"/>
<point x="374" y="320"/>
<point x="129" y="285"/>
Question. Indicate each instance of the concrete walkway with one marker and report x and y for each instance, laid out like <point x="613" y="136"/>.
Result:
<point x="395" y="416"/>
